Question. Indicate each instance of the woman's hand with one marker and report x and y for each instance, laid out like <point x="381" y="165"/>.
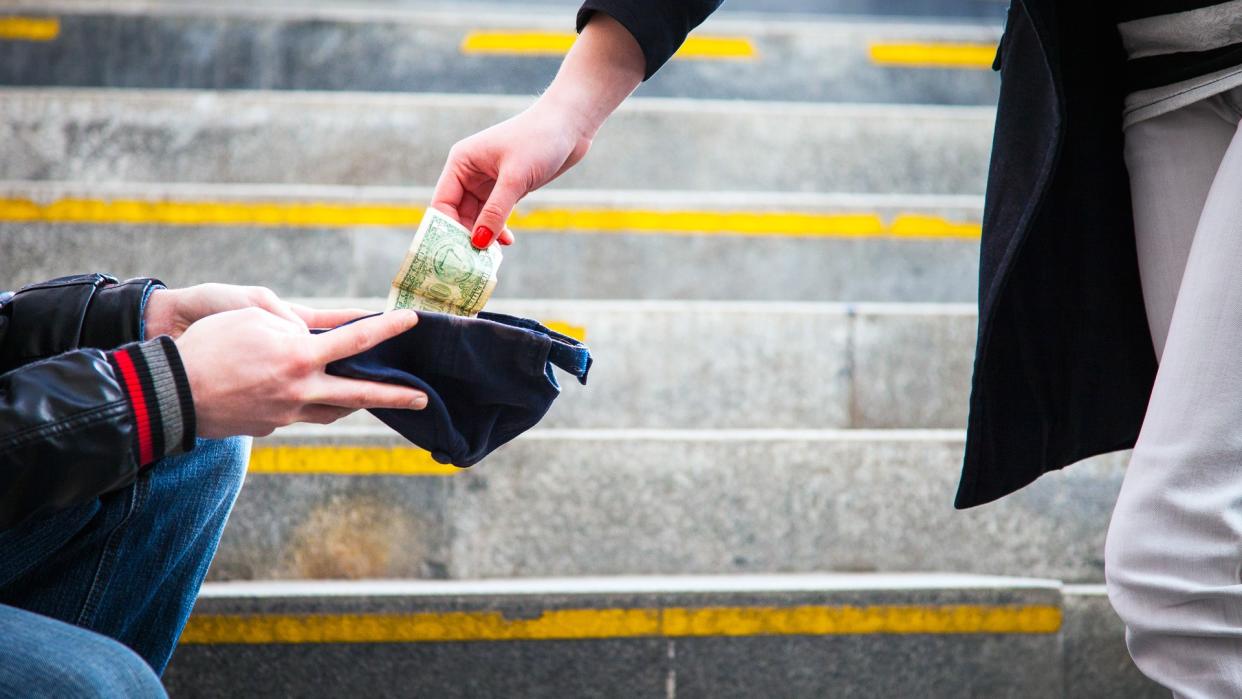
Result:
<point x="251" y="371"/>
<point x="488" y="173"/>
<point x="171" y="311"/>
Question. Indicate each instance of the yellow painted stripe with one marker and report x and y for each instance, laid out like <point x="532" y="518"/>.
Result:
<point x="939" y="55"/>
<point x="577" y="332"/>
<point x="540" y="43"/>
<point x="673" y="622"/>
<point x="347" y="461"/>
<point x="29" y="28"/>
<point x="209" y="213"/>
<point x="569" y="220"/>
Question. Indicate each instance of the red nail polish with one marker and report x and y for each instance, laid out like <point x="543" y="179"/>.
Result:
<point x="482" y="237"/>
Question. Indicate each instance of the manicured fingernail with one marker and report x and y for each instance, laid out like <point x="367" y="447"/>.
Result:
<point x="419" y="403"/>
<point x="482" y="237"/>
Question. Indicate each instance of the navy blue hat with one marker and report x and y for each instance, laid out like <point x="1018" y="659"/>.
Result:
<point x="487" y="379"/>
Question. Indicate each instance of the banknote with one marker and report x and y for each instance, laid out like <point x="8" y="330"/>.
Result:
<point x="442" y="271"/>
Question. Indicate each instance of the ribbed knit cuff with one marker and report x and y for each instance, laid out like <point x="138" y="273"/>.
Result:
<point x="159" y="397"/>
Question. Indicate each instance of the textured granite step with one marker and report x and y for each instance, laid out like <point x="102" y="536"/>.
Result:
<point x="985" y="12"/>
<point x="232" y="45"/>
<point x="358" y="502"/>
<point x="922" y="635"/>
<point x="347" y="241"/>
<point x="92" y="135"/>
<point x="713" y="365"/>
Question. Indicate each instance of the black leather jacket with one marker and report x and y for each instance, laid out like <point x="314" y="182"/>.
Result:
<point x="68" y="431"/>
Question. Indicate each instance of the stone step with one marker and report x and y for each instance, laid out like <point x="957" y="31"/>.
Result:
<point x="356" y="502"/>
<point x="985" y="12"/>
<point x="513" y="50"/>
<point x="711" y="365"/>
<point x="102" y="135"/>
<point x="923" y="635"/>
<point x="348" y="241"/>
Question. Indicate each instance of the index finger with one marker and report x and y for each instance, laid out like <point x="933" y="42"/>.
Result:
<point x="361" y="336"/>
<point x="449" y="192"/>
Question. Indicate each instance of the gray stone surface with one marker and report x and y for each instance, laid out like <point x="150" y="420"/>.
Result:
<point x="236" y="47"/>
<point x="368" y="138"/>
<point x="985" y="12"/>
<point x="925" y="665"/>
<point x="911" y="366"/>
<point x="706" y="365"/>
<point x="295" y="262"/>
<point x="1097" y="664"/>
<point x="721" y="365"/>
<point x="551" y="669"/>
<point x="578" y="264"/>
<point x="564" y="502"/>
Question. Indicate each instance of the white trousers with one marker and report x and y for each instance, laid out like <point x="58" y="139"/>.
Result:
<point x="1173" y="561"/>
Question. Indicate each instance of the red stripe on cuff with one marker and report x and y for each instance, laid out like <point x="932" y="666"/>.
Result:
<point x="146" y="452"/>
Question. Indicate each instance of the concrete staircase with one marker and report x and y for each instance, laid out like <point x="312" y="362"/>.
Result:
<point x="772" y="251"/>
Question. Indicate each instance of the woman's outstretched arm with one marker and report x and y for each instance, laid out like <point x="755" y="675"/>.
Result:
<point x="488" y="173"/>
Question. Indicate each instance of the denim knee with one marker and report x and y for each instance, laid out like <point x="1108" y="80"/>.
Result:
<point x="210" y="476"/>
<point x="42" y="657"/>
<point x="229" y="458"/>
<point x="107" y="669"/>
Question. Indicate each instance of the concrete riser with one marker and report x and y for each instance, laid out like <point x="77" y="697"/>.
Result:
<point x="419" y="52"/>
<point x="1085" y="659"/>
<point x="718" y="366"/>
<point x="361" y="262"/>
<point x="555" y="504"/>
<point x="860" y="667"/>
<point x="353" y="138"/>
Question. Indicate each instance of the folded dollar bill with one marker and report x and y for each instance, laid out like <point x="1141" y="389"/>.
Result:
<point x="442" y="271"/>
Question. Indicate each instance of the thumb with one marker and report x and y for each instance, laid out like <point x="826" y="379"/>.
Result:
<point x="491" y="219"/>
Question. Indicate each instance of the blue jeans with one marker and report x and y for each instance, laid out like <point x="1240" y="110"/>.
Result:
<point x="127" y="566"/>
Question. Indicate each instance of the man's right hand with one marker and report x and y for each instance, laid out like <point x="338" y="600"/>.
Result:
<point x="251" y="371"/>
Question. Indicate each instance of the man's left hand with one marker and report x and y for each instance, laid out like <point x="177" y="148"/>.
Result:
<point x="171" y="311"/>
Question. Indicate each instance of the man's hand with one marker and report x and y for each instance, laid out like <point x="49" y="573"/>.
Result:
<point x="171" y="311"/>
<point x="252" y="371"/>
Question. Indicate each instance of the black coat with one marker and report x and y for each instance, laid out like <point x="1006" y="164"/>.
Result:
<point x="1064" y="360"/>
<point x="66" y="433"/>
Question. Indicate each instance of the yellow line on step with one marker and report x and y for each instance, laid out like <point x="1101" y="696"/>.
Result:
<point x="669" y="622"/>
<point x="933" y="55"/>
<point x="690" y="222"/>
<point x="577" y="332"/>
<point x="209" y="213"/>
<point x="544" y="43"/>
<point x="29" y="28"/>
<point x="346" y="461"/>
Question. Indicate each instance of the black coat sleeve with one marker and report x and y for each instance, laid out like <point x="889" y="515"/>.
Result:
<point x="66" y="435"/>
<point x="659" y="26"/>
<point x="77" y="422"/>
<point x="86" y="310"/>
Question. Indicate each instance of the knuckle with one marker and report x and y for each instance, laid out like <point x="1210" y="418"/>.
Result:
<point x="493" y="210"/>
<point x="299" y="362"/>
<point x="262" y="294"/>
<point x="361" y="340"/>
<point x="364" y="398"/>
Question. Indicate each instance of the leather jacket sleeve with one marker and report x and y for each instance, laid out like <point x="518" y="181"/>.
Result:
<point x="659" y="26"/>
<point x="86" y="310"/>
<point x="80" y="412"/>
